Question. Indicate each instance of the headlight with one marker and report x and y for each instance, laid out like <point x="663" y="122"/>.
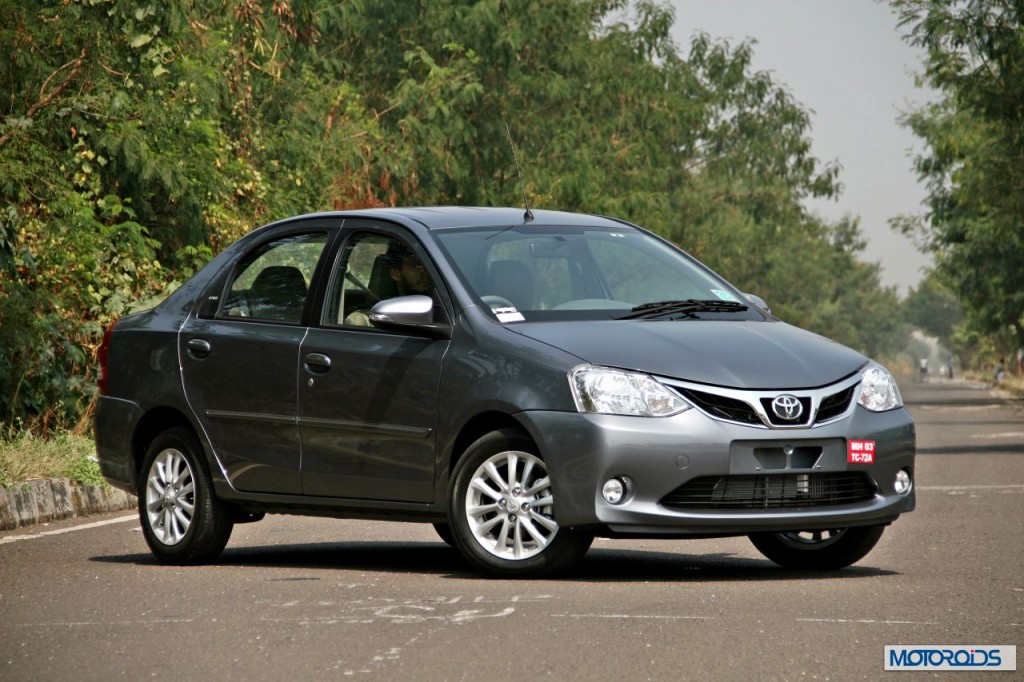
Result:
<point x="613" y="391"/>
<point x="878" y="391"/>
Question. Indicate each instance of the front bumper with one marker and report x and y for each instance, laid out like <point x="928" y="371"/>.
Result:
<point x="658" y="455"/>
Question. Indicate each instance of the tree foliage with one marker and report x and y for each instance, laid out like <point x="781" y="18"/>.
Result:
<point x="138" y="137"/>
<point x="972" y="164"/>
<point x="933" y="308"/>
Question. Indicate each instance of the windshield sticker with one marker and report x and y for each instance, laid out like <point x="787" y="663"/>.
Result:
<point x="724" y="295"/>
<point x="508" y="315"/>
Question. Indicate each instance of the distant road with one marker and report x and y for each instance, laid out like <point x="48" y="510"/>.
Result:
<point x="964" y="418"/>
<point x="296" y="598"/>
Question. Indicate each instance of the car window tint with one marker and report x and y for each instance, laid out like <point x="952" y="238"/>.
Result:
<point x="272" y="282"/>
<point x="363" y="276"/>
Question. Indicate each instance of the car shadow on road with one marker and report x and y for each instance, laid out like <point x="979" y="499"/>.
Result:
<point x="624" y="565"/>
<point x="600" y="565"/>
<point x="387" y="557"/>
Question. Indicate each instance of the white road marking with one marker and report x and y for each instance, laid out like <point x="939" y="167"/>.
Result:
<point x="413" y="615"/>
<point x="1009" y="486"/>
<point x="1004" y="434"/>
<point x="866" y="621"/>
<point x="93" y="623"/>
<point x="639" y="616"/>
<point x="61" y="531"/>
<point x="636" y="616"/>
<point x="957" y="408"/>
<point x="421" y="610"/>
<point x="380" y="660"/>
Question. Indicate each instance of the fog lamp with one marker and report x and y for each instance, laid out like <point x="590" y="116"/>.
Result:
<point x="614" y="490"/>
<point x="903" y="482"/>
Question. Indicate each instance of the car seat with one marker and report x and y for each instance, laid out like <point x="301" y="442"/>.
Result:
<point x="512" y="280"/>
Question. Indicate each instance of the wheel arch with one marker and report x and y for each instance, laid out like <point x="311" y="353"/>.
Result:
<point x="152" y="424"/>
<point x="474" y="429"/>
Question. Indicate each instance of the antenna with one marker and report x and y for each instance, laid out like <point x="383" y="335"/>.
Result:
<point x="528" y="216"/>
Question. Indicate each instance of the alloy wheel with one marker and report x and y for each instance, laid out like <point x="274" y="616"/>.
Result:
<point x="509" y="506"/>
<point x="170" y="496"/>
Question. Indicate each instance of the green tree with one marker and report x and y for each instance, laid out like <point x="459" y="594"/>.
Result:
<point x="74" y="253"/>
<point x="933" y="308"/>
<point x="972" y="164"/>
<point x="138" y="137"/>
<point x="135" y="138"/>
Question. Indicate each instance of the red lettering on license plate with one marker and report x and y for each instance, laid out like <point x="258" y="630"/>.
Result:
<point x="860" y="451"/>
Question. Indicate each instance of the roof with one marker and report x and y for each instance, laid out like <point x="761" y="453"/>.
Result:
<point x="468" y="216"/>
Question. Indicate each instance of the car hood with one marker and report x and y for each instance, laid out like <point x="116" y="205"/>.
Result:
<point x="737" y="354"/>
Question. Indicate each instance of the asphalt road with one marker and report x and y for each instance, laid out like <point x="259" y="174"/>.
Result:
<point x="296" y="598"/>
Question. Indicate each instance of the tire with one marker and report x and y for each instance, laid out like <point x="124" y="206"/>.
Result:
<point x="181" y="519"/>
<point x="444" y="531"/>
<point x="501" y="510"/>
<point x="818" y="550"/>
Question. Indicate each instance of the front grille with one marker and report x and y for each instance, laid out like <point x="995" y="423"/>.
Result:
<point x="835" y="404"/>
<point x="771" y="491"/>
<point x="722" y="407"/>
<point x="755" y="407"/>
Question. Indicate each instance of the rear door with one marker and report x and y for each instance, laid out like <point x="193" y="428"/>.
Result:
<point x="240" y="364"/>
<point x="368" y="398"/>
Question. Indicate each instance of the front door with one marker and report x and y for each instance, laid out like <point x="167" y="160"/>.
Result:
<point x="368" y="398"/>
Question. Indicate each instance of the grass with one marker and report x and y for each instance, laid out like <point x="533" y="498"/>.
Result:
<point x="25" y="457"/>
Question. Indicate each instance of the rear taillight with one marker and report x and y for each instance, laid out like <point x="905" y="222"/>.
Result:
<point x="104" y="350"/>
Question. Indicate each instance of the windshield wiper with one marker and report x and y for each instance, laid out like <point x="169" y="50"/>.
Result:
<point x="687" y="308"/>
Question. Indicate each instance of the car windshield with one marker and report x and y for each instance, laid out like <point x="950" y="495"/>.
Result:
<point x="539" y="273"/>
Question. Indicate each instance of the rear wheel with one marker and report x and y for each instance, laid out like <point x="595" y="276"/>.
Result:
<point x="181" y="519"/>
<point x="818" y="550"/>
<point x="502" y="510"/>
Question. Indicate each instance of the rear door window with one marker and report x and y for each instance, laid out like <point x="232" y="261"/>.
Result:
<point x="272" y="282"/>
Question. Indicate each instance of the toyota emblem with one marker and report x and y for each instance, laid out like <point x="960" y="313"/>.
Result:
<point x="787" y="407"/>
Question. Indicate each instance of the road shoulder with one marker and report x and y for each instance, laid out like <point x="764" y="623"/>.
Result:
<point x="42" y="501"/>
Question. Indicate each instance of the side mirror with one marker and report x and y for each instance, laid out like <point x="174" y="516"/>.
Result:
<point x="759" y="302"/>
<point x="408" y="313"/>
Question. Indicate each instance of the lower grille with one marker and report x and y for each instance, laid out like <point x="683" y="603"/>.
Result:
<point x="771" y="491"/>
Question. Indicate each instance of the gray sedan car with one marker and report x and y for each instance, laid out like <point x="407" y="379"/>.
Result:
<point x="524" y="382"/>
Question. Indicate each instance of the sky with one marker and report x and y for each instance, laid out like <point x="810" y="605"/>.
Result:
<point x="846" y="62"/>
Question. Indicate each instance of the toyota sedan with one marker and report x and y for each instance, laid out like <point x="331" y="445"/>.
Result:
<point x="524" y="382"/>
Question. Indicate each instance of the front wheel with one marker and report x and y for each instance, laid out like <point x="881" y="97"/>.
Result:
<point x="181" y="519"/>
<point x="444" y="531"/>
<point x="502" y="510"/>
<point x="818" y="550"/>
